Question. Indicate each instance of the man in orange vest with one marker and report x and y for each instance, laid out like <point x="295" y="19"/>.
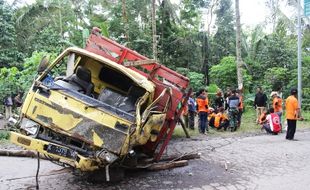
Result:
<point x="221" y="120"/>
<point x="240" y="107"/>
<point x="292" y="114"/>
<point x="276" y="103"/>
<point x="202" y="108"/>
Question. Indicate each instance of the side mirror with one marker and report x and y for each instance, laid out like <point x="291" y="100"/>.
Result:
<point x="43" y="64"/>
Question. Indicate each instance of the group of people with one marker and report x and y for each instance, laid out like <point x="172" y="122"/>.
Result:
<point x="215" y="117"/>
<point x="270" y="119"/>
<point x="11" y="102"/>
<point x="227" y="111"/>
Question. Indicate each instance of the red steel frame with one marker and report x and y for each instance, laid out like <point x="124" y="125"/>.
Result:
<point x="121" y="54"/>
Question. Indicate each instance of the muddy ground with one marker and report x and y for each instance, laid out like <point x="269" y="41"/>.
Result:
<point x="257" y="161"/>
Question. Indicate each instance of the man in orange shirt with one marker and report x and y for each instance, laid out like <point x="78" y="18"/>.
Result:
<point x="202" y="106"/>
<point x="292" y="114"/>
<point x="277" y="104"/>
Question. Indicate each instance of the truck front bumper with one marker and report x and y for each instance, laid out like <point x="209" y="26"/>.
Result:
<point x="55" y="151"/>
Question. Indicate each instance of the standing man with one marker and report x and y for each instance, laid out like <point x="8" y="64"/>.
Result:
<point x="202" y="105"/>
<point x="219" y="100"/>
<point x="260" y="103"/>
<point x="233" y="104"/>
<point x="292" y="114"/>
<point x="240" y="107"/>
<point x="191" y="111"/>
<point x="8" y="103"/>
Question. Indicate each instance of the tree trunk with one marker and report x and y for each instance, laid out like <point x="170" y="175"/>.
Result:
<point x="154" y="29"/>
<point x="238" y="46"/>
<point x="205" y="62"/>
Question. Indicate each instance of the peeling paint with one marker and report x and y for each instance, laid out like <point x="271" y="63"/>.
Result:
<point x="113" y="139"/>
<point x="97" y="140"/>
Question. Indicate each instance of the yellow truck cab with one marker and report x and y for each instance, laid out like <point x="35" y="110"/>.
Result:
<point x="88" y="111"/>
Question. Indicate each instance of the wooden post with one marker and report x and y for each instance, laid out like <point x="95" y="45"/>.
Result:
<point x="184" y="128"/>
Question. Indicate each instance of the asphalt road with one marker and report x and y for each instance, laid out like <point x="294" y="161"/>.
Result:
<point x="254" y="162"/>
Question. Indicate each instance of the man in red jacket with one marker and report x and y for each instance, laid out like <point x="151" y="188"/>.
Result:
<point x="272" y="123"/>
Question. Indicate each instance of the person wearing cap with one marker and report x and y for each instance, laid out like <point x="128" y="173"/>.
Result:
<point x="276" y="104"/>
<point x="292" y="114"/>
<point x="202" y="106"/>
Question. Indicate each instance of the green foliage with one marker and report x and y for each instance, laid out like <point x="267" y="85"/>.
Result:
<point x="196" y="80"/>
<point x="225" y="74"/>
<point x="130" y="30"/>
<point x="277" y="52"/>
<point x="13" y="80"/>
<point x="224" y="41"/>
<point x="213" y="88"/>
<point x="9" y="56"/>
<point x="276" y="77"/>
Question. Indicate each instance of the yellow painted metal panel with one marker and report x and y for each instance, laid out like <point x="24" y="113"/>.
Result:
<point x="85" y="164"/>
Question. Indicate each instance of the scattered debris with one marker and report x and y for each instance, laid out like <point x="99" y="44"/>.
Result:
<point x="167" y="165"/>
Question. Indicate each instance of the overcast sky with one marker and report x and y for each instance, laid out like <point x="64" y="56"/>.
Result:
<point x="252" y="12"/>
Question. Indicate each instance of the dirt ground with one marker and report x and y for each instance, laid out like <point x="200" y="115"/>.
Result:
<point x="253" y="162"/>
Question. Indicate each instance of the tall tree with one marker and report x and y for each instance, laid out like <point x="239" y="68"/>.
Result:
<point x="273" y="6"/>
<point x="223" y="42"/>
<point x="9" y="55"/>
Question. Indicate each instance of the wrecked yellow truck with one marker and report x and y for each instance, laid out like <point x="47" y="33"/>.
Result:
<point x="101" y="106"/>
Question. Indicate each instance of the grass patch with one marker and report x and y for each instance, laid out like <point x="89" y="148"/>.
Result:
<point x="178" y="132"/>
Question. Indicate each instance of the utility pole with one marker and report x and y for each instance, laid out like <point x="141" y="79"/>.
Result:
<point x="299" y="54"/>
<point x="154" y="29"/>
<point x="238" y="46"/>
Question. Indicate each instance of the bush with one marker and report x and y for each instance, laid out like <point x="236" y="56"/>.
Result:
<point x="225" y="74"/>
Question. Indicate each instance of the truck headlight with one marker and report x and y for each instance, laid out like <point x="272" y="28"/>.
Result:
<point x="30" y="126"/>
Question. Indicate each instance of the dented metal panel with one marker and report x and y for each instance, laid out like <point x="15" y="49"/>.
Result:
<point x="110" y="139"/>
